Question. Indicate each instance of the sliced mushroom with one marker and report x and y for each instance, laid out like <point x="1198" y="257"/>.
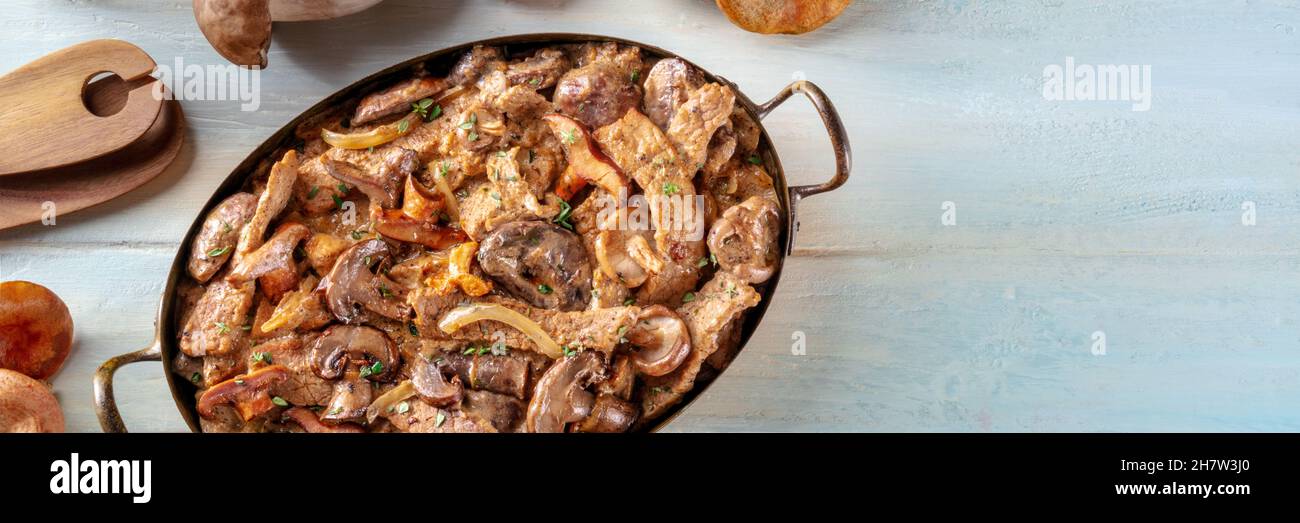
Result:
<point x="586" y="161"/>
<point x="491" y="372"/>
<point x="662" y="341"/>
<point x="560" y="396"/>
<point x="744" y="239"/>
<point x="596" y="94"/>
<point x="385" y="185"/>
<point x="352" y="396"/>
<point x="396" y="99"/>
<point x="395" y="224"/>
<point x="667" y="86"/>
<point x="248" y="394"/>
<point x="307" y="419"/>
<point x="608" y="414"/>
<point x="238" y="29"/>
<point x="433" y="387"/>
<point x="625" y="255"/>
<point x="420" y="202"/>
<point x="350" y="288"/>
<point x="219" y="236"/>
<point x="539" y="262"/>
<point x="340" y="345"/>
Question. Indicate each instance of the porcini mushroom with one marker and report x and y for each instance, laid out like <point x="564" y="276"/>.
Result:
<point x="608" y="414"/>
<point x="248" y="394"/>
<point x="351" y="288"/>
<point x="538" y="262"/>
<point x="560" y="396"/>
<point x="272" y="263"/>
<point x="662" y="341"/>
<point x="384" y="186"/>
<point x="350" y="401"/>
<point x="241" y="29"/>
<point x="35" y="329"/>
<point x="340" y="345"/>
<point x="625" y="255"/>
<point x="587" y="163"/>
<point x="433" y="387"/>
<point x="744" y="239"/>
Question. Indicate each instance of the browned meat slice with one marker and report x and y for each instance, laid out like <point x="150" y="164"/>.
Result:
<point x="720" y="303"/>
<point x="302" y="387"/>
<point x="477" y="62"/>
<point x="746" y="129"/>
<point x="722" y="147"/>
<point x="667" y="86"/>
<point x="422" y="417"/>
<point x="502" y="374"/>
<point x="219" y="236"/>
<point x="744" y="239"/>
<point x="382" y="176"/>
<point x="397" y="99"/>
<point x="539" y="71"/>
<point x="513" y="187"/>
<point x="279" y="188"/>
<point x="596" y="94"/>
<point x="316" y="191"/>
<point x="738" y="181"/>
<point x="692" y="127"/>
<point x="274" y="258"/>
<point x="504" y="413"/>
<point x="540" y="263"/>
<point x="625" y="58"/>
<point x="215" y="325"/>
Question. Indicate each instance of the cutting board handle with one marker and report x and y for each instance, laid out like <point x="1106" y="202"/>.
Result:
<point x="44" y="122"/>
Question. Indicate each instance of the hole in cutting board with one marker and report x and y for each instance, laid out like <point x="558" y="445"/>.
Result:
<point x="105" y="93"/>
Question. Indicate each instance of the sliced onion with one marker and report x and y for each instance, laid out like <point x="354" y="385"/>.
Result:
<point x="451" y="206"/>
<point x="374" y="137"/>
<point x="467" y="314"/>
<point x="395" y="395"/>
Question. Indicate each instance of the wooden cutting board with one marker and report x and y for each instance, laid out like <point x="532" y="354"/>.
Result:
<point x="86" y="159"/>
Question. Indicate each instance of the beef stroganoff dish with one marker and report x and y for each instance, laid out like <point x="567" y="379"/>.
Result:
<point x="566" y="239"/>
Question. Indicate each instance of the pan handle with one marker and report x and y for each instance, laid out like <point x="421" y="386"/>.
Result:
<point x="105" y="404"/>
<point x="839" y="143"/>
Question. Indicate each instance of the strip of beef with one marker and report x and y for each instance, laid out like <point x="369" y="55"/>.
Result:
<point x="477" y="62"/>
<point x="422" y="417"/>
<point x="693" y="126"/>
<point x="397" y="99"/>
<point x="304" y="387"/>
<point x="315" y="191"/>
<point x="279" y="188"/>
<point x="503" y="413"/>
<point x="380" y="175"/>
<point x="215" y="325"/>
<point x="217" y="240"/>
<point x="539" y="71"/>
<point x="720" y="303"/>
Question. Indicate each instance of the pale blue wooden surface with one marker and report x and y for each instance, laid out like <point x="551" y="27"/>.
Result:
<point x="1072" y="217"/>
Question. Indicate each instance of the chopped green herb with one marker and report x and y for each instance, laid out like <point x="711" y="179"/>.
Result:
<point x="713" y="258"/>
<point x="239" y="382"/>
<point x="338" y="202"/>
<point x="469" y="124"/>
<point x="222" y="327"/>
<point x="343" y="188"/>
<point x="414" y="331"/>
<point x="688" y="297"/>
<point x="570" y="137"/>
<point x="544" y="288"/>
<point x="246" y="328"/>
<point x="671" y="188"/>
<point x="434" y="113"/>
<point x="356" y="235"/>
<point x="225" y="227"/>
<point x="621" y="331"/>
<point x="262" y="357"/>
<point x="442" y="169"/>
<point x="473" y="136"/>
<point x="403" y="125"/>
<point x="469" y="350"/>
<point x="437" y="422"/>
<point x="629" y="302"/>
<point x="635" y="76"/>
<point x="703" y="261"/>
<point x="373" y="369"/>
<point x="196" y="378"/>
<point x="313" y="192"/>
<point x="568" y="352"/>
<point x="535" y="82"/>
<point x="383" y="291"/>
<point x="484" y="350"/>
<point x="562" y="219"/>
<point x="754" y="159"/>
<point x="403" y="407"/>
<point x="279" y="401"/>
<point x="366" y="261"/>
<point x="218" y="251"/>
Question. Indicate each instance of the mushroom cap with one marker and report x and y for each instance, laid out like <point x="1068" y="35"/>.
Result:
<point x="332" y="351"/>
<point x="350" y="287"/>
<point x="744" y="239"/>
<point x="240" y="30"/>
<point x="27" y="405"/>
<point x="781" y="16"/>
<point x="35" y="329"/>
<point x="560" y="396"/>
<point x="249" y="393"/>
<point x="608" y="414"/>
<point x="540" y="263"/>
<point x="433" y="387"/>
<point x="662" y="338"/>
